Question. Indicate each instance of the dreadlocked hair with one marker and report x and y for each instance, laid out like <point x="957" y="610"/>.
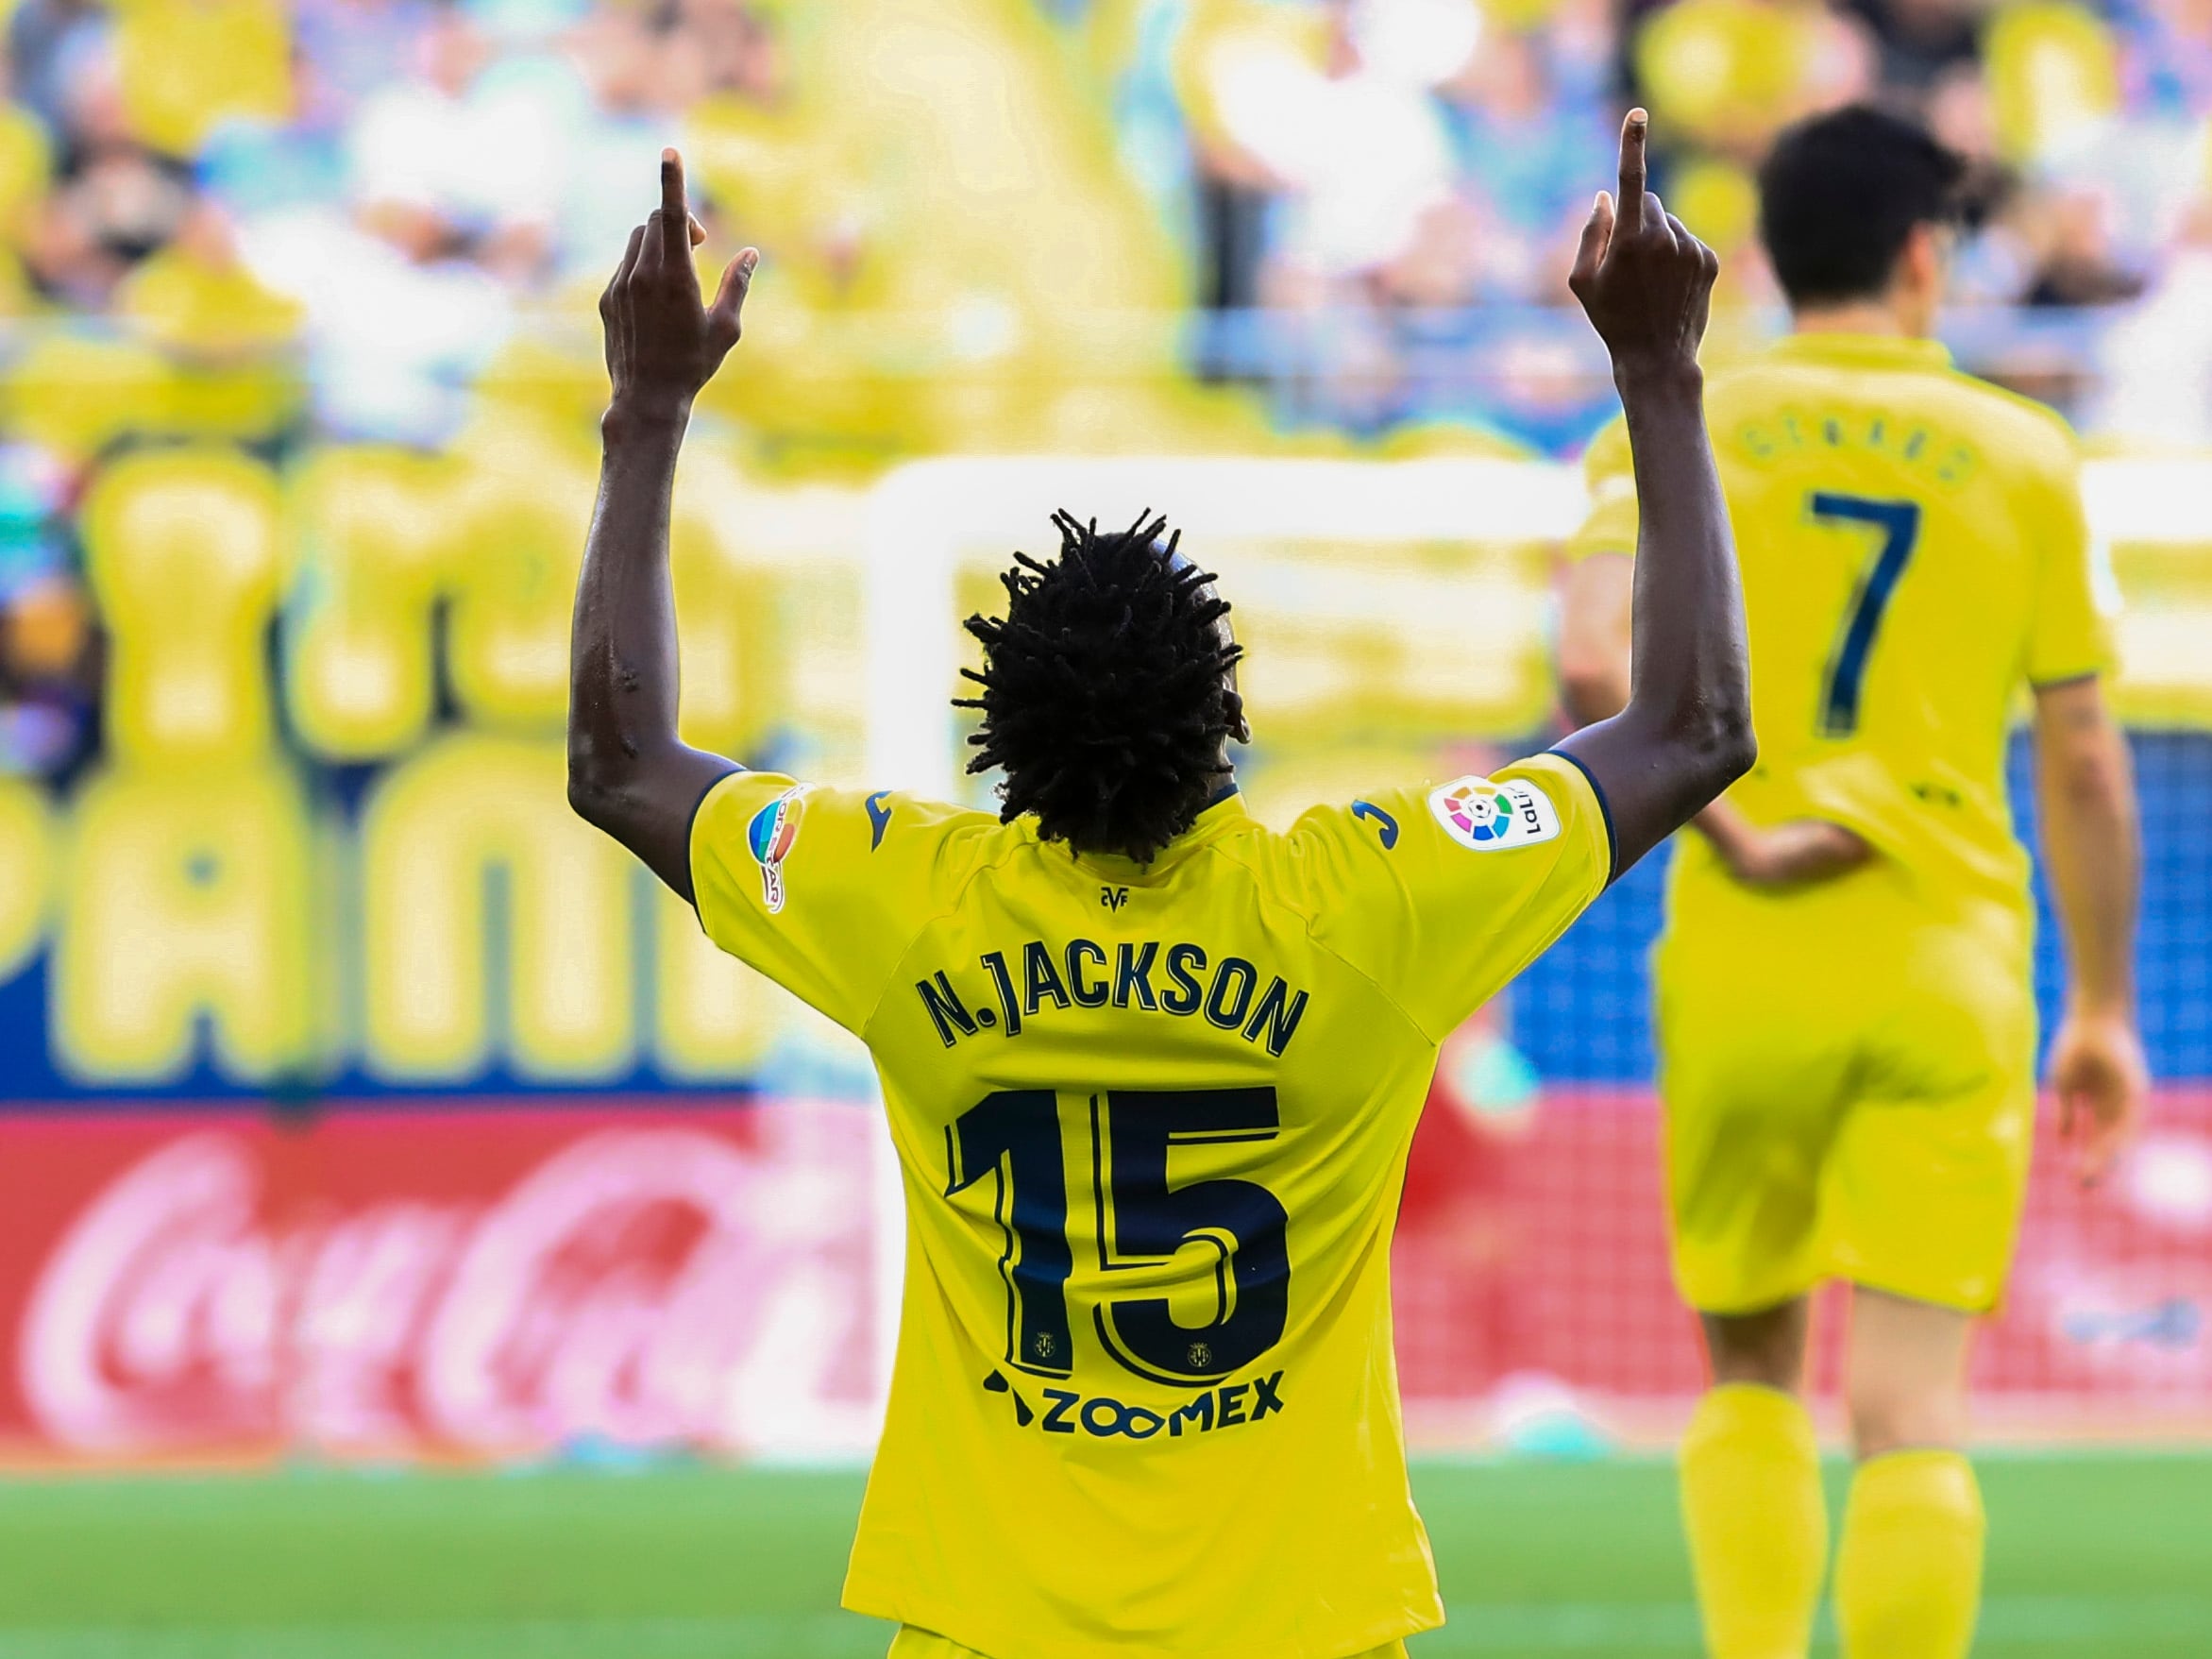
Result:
<point x="1105" y="690"/>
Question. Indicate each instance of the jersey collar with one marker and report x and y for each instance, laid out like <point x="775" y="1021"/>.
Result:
<point x="1864" y="350"/>
<point x="1223" y="814"/>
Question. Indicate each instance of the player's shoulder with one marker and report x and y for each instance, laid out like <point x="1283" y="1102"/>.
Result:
<point x="780" y="819"/>
<point x="1519" y="805"/>
<point x="2012" y="425"/>
<point x="952" y="840"/>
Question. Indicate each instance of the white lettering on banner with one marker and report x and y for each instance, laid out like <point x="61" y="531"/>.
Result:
<point x="513" y="1311"/>
<point x="643" y="1286"/>
<point x="156" y="1286"/>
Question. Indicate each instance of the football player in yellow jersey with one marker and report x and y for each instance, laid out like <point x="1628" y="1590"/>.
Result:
<point x="1845" y="1018"/>
<point x="1151" y="1069"/>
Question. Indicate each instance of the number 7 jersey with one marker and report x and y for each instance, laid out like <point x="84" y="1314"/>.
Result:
<point x="1153" y="1122"/>
<point x="1913" y="552"/>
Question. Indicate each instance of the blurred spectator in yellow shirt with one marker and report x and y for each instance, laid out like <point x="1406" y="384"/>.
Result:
<point x="226" y="334"/>
<point x="1730" y="74"/>
<point x="186" y="65"/>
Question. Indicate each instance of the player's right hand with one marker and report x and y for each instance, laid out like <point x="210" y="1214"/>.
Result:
<point x="662" y="344"/>
<point x="2102" y="1082"/>
<point x="1646" y="282"/>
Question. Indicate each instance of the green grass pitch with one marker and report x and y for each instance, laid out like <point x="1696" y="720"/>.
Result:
<point x="2091" y="1555"/>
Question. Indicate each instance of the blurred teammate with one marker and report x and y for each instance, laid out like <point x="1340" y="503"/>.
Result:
<point x="1150" y="1068"/>
<point x="1846" y="1017"/>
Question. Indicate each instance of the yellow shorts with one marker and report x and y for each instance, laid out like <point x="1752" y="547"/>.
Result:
<point x="1850" y="1092"/>
<point x="911" y="1643"/>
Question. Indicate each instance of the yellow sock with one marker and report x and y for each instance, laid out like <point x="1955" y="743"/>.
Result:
<point x="1908" y="1576"/>
<point x="1757" y="1525"/>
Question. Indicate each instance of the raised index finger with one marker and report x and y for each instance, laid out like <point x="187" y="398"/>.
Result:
<point x="675" y="216"/>
<point x="1629" y="204"/>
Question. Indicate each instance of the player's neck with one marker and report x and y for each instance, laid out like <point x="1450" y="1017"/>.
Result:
<point x="1870" y="316"/>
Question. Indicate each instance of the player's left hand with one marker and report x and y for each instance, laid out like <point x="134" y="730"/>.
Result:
<point x="662" y="344"/>
<point x="1643" y="280"/>
<point x="2102" y="1082"/>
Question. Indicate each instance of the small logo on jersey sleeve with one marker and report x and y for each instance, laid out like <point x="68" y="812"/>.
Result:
<point x="1386" y="826"/>
<point x="771" y="835"/>
<point x="1486" y="817"/>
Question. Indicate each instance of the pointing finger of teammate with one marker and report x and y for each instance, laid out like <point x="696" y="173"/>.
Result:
<point x="1630" y="200"/>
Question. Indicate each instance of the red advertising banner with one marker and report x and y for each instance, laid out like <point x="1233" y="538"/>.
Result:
<point x="1532" y="1271"/>
<point x="476" y="1284"/>
<point x="468" y="1283"/>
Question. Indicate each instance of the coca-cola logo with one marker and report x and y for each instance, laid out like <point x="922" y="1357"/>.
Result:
<point x="640" y="1286"/>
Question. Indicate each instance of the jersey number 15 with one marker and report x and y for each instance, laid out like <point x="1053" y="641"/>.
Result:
<point x="1014" y="1137"/>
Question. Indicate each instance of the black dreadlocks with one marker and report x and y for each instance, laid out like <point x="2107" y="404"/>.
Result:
<point x="1107" y="695"/>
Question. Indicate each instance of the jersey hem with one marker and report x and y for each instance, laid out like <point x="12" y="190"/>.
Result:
<point x="2080" y="677"/>
<point x="954" y="1627"/>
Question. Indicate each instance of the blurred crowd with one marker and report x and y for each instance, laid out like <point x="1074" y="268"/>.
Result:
<point x="272" y="223"/>
<point x="1414" y="172"/>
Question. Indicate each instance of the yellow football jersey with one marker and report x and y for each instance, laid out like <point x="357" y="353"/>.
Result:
<point x="1913" y="551"/>
<point x="1153" y="1121"/>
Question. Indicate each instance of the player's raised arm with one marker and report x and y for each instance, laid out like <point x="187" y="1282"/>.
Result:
<point x="627" y="771"/>
<point x="1685" y="733"/>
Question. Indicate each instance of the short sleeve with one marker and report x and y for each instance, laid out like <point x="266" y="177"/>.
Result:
<point x="1442" y="895"/>
<point x="2076" y="601"/>
<point x="823" y="890"/>
<point x="1609" y="475"/>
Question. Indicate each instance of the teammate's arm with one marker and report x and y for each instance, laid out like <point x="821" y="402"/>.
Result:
<point x="2087" y="807"/>
<point x="628" y="774"/>
<point x="1791" y="853"/>
<point x="1685" y="731"/>
<point x="1597" y="605"/>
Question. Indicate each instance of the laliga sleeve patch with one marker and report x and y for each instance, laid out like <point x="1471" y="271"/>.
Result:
<point x="771" y="835"/>
<point x="1485" y="817"/>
